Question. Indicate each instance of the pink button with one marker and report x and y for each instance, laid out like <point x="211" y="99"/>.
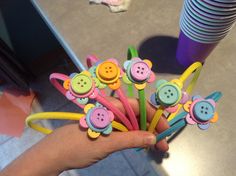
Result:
<point x="140" y="71"/>
<point x="99" y="118"/>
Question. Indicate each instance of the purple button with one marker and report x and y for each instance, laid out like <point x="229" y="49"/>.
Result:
<point x="140" y="71"/>
<point x="99" y="118"/>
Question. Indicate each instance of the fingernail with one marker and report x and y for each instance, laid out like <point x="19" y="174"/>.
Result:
<point x="150" y="140"/>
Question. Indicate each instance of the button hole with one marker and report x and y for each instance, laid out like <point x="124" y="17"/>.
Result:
<point x="169" y="90"/>
<point x="168" y="96"/>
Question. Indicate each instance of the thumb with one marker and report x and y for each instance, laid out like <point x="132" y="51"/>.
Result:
<point x="131" y="139"/>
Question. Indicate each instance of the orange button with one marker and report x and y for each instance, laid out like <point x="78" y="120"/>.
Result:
<point x="108" y="71"/>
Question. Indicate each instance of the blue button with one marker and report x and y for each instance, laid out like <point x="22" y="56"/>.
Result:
<point x="168" y="94"/>
<point x="203" y="110"/>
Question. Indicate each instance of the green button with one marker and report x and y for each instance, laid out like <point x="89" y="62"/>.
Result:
<point x="168" y="94"/>
<point x="81" y="84"/>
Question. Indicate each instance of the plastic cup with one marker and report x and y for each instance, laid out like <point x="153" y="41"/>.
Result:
<point x="205" y="26"/>
<point x="198" y="37"/>
<point x="220" y="4"/>
<point x="202" y="28"/>
<point x="207" y="18"/>
<point x="226" y="2"/>
<point x="224" y="12"/>
<point x="202" y="34"/>
<point x="196" y="16"/>
<point x="190" y="51"/>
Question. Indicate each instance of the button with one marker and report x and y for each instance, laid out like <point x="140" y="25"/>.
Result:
<point x="99" y="118"/>
<point x="140" y="71"/>
<point x="203" y="110"/>
<point x="108" y="71"/>
<point x="81" y="84"/>
<point x="168" y="94"/>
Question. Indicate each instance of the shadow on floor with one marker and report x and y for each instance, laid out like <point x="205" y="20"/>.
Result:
<point x="161" y="50"/>
<point x="158" y="156"/>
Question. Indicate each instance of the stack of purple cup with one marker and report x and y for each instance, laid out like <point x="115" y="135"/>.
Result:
<point x="203" y="24"/>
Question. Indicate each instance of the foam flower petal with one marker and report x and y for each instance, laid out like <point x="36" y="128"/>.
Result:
<point x="151" y="78"/>
<point x="111" y="115"/>
<point x="178" y="83"/>
<point x="184" y="98"/>
<point x="148" y="62"/>
<point x="108" y="130"/>
<point x="189" y="120"/>
<point x="196" y="97"/>
<point x="126" y="79"/>
<point x="172" y="109"/>
<point x="126" y="64"/>
<point x="93" y="134"/>
<point x="160" y="82"/>
<point x="153" y="99"/>
<point x="88" y="107"/>
<point x="212" y="102"/>
<point x="83" y="122"/>
<point x="140" y="86"/>
<point x="83" y="101"/>
<point x="69" y="95"/>
<point x="204" y="126"/>
<point x="215" y="118"/>
<point x="187" y="106"/>
<point x="92" y="71"/>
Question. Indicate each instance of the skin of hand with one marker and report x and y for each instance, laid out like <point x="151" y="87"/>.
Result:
<point x="69" y="147"/>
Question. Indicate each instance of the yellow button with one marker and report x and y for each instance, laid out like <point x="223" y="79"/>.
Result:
<point x="107" y="71"/>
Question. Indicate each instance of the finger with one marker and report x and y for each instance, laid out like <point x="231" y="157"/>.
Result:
<point x="117" y="103"/>
<point x="161" y="126"/>
<point x="132" y="139"/>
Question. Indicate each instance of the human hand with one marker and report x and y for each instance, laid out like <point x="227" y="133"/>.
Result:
<point x="69" y="147"/>
<point x="76" y="150"/>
